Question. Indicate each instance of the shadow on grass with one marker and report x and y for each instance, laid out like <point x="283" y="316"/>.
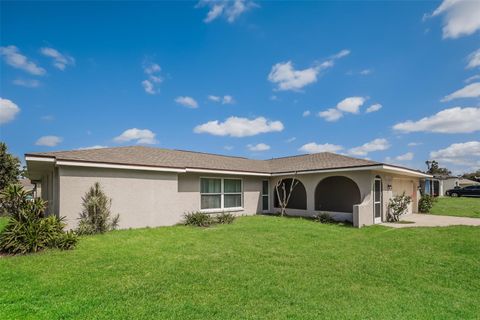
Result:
<point x="345" y="223"/>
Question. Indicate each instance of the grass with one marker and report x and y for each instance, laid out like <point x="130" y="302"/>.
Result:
<point x="459" y="207"/>
<point x="3" y="222"/>
<point x="257" y="267"/>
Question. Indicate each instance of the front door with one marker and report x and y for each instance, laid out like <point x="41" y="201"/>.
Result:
<point x="377" y="200"/>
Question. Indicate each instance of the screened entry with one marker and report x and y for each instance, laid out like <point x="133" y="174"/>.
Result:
<point x="336" y="194"/>
<point x="298" y="199"/>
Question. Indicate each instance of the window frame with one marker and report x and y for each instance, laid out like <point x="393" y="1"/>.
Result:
<point x="266" y="195"/>
<point x="222" y="194"/>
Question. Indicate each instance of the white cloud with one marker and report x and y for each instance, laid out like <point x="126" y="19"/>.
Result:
<point x="473" y="78"/>
<point x="228" y="148"/>
<point x="141" y="136"/>
<point x="150" y="85"/>
<point x="290" y="140"/>
<point x="285" y="76"/>
<point x="47" y="118"/>
<point x="214" y="98"/>
<point x="460" y="17"/>
<point x="8" y="110"/>
<point x="474" y="59"/>
<point x="374" y="145"/>
<point x="29" y="83"/>
<point x="471" y="90"/>
<point x="465" y="154"/>
<point x="48" y="141"/>
<point x="227" y="99"/>
<point x="93" y="147"/>
<point x="306" y="113"/>
<point x="414" y="144"/>
<point x="17" y="60"/>
<point x="152" y="68"/>
<point x="313" y="147"/>
<point x="331" y="114"/>
<point x="453" y="120"/>
<point x="366" y="72"/>
<point x="188" y="102"/>
<point x="229" y="10"/>
<point x="374" y="107"/>
<point x="60" y="60"/>
<point x="351" y="104"/>
<point x="258" y="147"/>
<point x="405" y="157"/>
<point x="239" y="127"/>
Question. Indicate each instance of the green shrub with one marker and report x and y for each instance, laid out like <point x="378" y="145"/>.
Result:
<point x="32" y="234"/>
<point x="96" y="216"/>
<point x="199" y="219"/>
<point x="397" y="206"/>
<point x="224" y="218"/>
<point x="28" y="230"/>
<point x="13" y="198"/>
<point x="323" y="217"/>
<point x="425" y="203"/>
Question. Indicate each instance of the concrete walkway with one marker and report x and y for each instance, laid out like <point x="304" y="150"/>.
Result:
<point x="430" y="220"/>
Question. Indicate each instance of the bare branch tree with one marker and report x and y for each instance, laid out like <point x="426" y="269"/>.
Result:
<point x="284" y="197"/>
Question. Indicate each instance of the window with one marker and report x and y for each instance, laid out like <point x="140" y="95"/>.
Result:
<point x="217" y="193"/>
<point x="265" y="199"/>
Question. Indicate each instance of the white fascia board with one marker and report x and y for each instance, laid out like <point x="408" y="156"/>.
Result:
<point x="381" y="167"/>
<point x="116" y="166"/>
<point x="406" y="171"/>
<point x="238" y="173"/>
<point x="374" y="167"/>
<point x="41" y="159"/>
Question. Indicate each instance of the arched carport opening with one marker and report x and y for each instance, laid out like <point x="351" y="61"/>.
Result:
<point x="298" y="199"/>
<point x="336" y="194"/>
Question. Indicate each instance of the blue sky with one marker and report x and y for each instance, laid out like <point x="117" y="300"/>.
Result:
<point x="254" y="79"/>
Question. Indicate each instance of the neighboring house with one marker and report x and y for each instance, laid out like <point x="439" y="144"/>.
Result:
<point x="438" y="185"/>
<point x="155" y="187"/>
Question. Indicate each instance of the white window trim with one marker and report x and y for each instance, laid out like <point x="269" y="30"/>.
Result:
<point x="222" y="194"/>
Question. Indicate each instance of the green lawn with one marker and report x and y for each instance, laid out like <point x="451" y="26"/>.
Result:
<point x="257" y="268"/>
<point x="460" y="207"/>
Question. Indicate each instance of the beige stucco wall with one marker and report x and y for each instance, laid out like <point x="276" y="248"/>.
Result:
<point x="144" y="198"/>
<point x="399" y="184"/>
<point x="141" y="198"/>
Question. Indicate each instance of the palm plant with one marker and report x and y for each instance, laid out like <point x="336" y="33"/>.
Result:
<point x="96" y="216"/>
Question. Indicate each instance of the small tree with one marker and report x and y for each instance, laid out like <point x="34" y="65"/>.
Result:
<point x="96" y="216"/>
<point x="398" y="205"/>
<point x="282" y="195"/>
<point x="9" y="167"/>
<point x="435" y="169"/>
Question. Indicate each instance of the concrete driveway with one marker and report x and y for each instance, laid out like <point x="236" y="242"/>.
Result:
<point x="430" y="220"/>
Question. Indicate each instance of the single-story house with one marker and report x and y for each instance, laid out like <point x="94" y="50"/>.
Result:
<point x="438" y="185"/>
<point x="155" y="187"/>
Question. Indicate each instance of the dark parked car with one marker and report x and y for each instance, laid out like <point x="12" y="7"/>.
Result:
<point x="469" y="191"/>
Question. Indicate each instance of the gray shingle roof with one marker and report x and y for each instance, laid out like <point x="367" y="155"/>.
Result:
<point x="158" y="157"/>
